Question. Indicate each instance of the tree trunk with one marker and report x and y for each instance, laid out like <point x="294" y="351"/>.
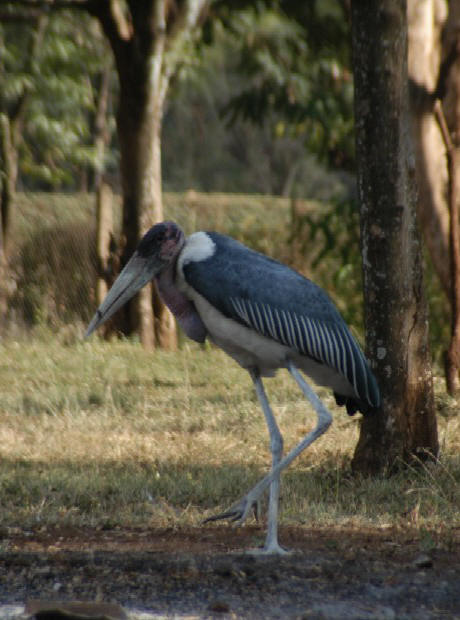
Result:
<point x="453" y="352"/>
<point x="148" y="50"/>
<point x="138" y="48"/>
<point x="448" y="116"/>
<point x="395" y="307"/>
<point x="9" y="169"/>
<point x="426" y="19"/>
<point x="101" y="132"/>
<point x="141" y="197"/>
<point x="104" y="233"/>
<point x="451" y="47"/>
<point x="8" y="174"/>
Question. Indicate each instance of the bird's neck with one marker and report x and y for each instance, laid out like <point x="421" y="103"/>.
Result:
<point x="180" y="305"/>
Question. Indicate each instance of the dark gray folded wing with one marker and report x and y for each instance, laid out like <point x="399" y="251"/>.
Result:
<point x="279" y="303"/>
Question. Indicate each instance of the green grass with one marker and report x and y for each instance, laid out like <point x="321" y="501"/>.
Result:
<point x="105" y="434"/>
<point x="246" y="216"/>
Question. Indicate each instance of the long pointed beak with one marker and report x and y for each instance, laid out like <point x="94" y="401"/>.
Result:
<point x="136" y="273"/>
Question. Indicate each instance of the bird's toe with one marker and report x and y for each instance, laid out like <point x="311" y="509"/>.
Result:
<point x="238" y="513"/>
<point x="230" y="515"/>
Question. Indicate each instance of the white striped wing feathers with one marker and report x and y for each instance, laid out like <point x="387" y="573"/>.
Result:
<point x="327" y="342"/>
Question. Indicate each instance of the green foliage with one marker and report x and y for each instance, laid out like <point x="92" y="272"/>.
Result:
<point x="60" y="117"/>
<point x="295" y="57"/>
<point x="328" y="237"/>
<point x="267" y="157"/>
<point x="282" y="50"/>
<point x="60" y="79"/>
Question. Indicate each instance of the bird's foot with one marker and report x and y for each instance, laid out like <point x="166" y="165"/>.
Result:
<point x="238" y="513"/>
<point x="271" y="545"/>
<point x="269" y="549"/>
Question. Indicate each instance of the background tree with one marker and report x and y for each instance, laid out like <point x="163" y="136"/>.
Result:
<point x="434" y="61"/>
<point x="15" y="91"/>
<point x="47" y="98"/>
<point x="448" y="117"/>
<point x="426" y="19"/>
<point x="235" y="100"/>
<point x="395" y="307"/>
<point x="150" y="41"/>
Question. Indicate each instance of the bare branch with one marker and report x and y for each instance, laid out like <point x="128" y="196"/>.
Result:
<point x="187" y="19"/>
<point x="48" y="4"/>
<point x="159" y="43"/>
<point x="30" y="16"/>
<point x="425" y="99"/>
<point x="444" y="70"/>
<point x="182" y="32"/>
<point x="117" y="28"/>
<point x="439" y="114"/>
<point x="23" y="11"/>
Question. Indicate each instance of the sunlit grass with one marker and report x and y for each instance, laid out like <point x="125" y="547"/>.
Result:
<point x="106" y="434"/>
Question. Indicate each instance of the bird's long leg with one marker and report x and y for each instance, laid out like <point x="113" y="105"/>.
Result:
<point x="240" y="510"/>
<point x="276" y="447"/>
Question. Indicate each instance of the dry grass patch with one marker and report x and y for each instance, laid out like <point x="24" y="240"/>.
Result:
<point x="105" y="434"/>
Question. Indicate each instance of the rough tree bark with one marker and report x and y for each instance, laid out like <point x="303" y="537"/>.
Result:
<point x="395" y="307"/>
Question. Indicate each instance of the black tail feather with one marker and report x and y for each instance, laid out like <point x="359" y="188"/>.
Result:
<point x="353" y="405"/>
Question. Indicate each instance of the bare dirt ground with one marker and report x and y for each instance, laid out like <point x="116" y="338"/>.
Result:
<point x="205" y="572"/>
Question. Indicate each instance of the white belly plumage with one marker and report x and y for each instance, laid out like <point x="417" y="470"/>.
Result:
<point x="251" y="349"/>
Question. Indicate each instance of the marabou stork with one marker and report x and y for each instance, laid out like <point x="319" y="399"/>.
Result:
<point x="264" y="315"/>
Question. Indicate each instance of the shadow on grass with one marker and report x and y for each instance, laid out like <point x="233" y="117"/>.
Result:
<point x="134" y="492"/>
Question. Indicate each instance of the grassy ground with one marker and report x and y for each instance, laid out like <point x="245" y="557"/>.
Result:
<point x="104" y="434"/>
<point x="239" y="215"/>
